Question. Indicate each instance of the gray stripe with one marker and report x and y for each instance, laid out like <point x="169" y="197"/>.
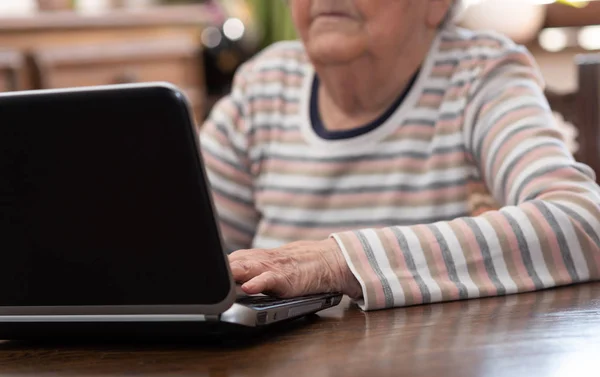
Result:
<point x="494" y="155"/>
<point x="387" y="290"/>
<point x="247" y="230"/>
<point x="239" y="108"/>
<point x="223" y="130"/>
<point x="474" y="37"/>
<point x="233" y="198"/>
<point x="491" y="120"/>
<point x="272" y="127"/>
<point x="510" y="168"/>
<point x="487" y="256"/>
<point x="236" y="167"/>
<point x="524" y="251"/>
<point x="358" y="224"/>
<point x="410" y="263"/>
<point x="463" y="293"/>
<point x="280" y="69"/>
<point x="548" y="169"/>
<point x="420" y="122"/>
<point x="369" y="157"/>
<point x="462" y="83"/>
<point x="360" y="190"/>
<point x="436" y="91"/>
<point x="270" y="97"/>
<point x="446" y="61"/>
<point x="560" y="237"/>
<point x="583" y="222"/>
<point x="448" y="116"/>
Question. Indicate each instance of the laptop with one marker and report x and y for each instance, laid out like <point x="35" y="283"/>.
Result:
<point x="107" y="225"/>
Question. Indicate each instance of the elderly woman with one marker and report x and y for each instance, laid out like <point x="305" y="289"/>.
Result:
<point x="399" y="160"/>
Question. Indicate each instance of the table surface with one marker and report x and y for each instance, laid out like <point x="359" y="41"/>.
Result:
<point x="549" y="333"/>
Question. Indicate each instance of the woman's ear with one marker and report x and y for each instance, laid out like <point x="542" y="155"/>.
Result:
<point x="437" y="11"/>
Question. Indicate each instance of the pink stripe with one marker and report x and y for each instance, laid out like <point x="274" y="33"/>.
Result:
<point x="454" y="158"/>
<point x="411" y="131"/>
<point x="225" y="107"/>
<point x="294" y="54"/>
<point x="508" y="145"/>
<point x="456" y="91"/>
<point x="240" y="209"/>
<point x="550" y="236"/>
<point x="408" y="276"/>
<point x="435" y="98"/>
<point x="558" y="180"/>
<point x="515" y="250"/>
<point x="270" y="196"/>
<point x="367" y="269"/>
<point x="594" y="254"/>
<point x="226" y="169"/>
<point x="468" y="43"/>
<point x="442" y="70"/>
<point x="512" y="91"/>
<point x="436" y="252"/>
<point x="279" y="76"/>
<point x="292" y="233"/>
<point x="217" y="135"/>
<point x="450" y="122"/>
<point x="529" y="158"/>
<point x="488" y="285"/>
<point x="517" y="57"/>
<point x="238" y="237"/>
<point x="274" y="105"/>
<point x="287" y="135"/>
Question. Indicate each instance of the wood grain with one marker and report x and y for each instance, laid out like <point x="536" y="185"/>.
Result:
<point x="551" y="333"/>
<point x="68" y="49"/>
<point x="196" y="15"/>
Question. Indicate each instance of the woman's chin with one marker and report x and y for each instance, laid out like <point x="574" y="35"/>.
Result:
<point x="335" y="50"/>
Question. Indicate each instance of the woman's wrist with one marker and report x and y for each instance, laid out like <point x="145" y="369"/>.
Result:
<point x="348" y="283"/>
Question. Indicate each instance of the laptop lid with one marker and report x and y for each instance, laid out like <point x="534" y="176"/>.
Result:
<point x="104" y="206"/>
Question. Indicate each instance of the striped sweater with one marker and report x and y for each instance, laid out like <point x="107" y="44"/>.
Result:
<point x="466" y="190"/>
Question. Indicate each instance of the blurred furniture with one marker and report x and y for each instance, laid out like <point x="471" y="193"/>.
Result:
<point x="52" y="5"/>
<point x="11" y="70"/>
<point x="582" y="108"/>
<point x="559" y="15"/>
<point x="172" y="60"/>
<point x="550" y="333"/>
<point x="67" y="49"/>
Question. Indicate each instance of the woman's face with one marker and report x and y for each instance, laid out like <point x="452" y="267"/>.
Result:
<point x="339" y="31"/>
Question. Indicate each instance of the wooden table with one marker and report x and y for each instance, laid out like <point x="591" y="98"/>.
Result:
<point x="552" y="333"/>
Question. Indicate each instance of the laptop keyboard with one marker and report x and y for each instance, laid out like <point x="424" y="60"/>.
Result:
<point x="264" y="301"/>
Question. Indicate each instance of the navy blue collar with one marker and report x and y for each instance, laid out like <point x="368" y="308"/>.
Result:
<point x="319" y="127"/>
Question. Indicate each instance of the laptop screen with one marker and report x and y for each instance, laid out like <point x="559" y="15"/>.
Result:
<point x="102" y="202"/>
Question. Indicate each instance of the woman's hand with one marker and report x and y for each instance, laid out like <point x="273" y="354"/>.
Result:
<point x="296" y="269"/>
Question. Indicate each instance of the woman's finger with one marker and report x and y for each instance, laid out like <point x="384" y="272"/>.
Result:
<point x="246" y="269"/>
<point x="269" y="282"/>
<point x="248" y="254"/>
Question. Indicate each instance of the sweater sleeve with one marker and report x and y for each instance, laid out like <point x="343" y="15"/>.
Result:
<point x="546" y="234"/>
<point x="225" y="142"/>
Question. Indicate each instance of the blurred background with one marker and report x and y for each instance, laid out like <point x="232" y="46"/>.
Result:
<point x="198" y="44"/>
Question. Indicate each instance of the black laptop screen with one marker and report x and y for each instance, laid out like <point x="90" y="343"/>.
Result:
<point x="102" y="203"/>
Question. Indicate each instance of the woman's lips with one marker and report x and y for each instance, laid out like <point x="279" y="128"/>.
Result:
<point x="333" y="16"/>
